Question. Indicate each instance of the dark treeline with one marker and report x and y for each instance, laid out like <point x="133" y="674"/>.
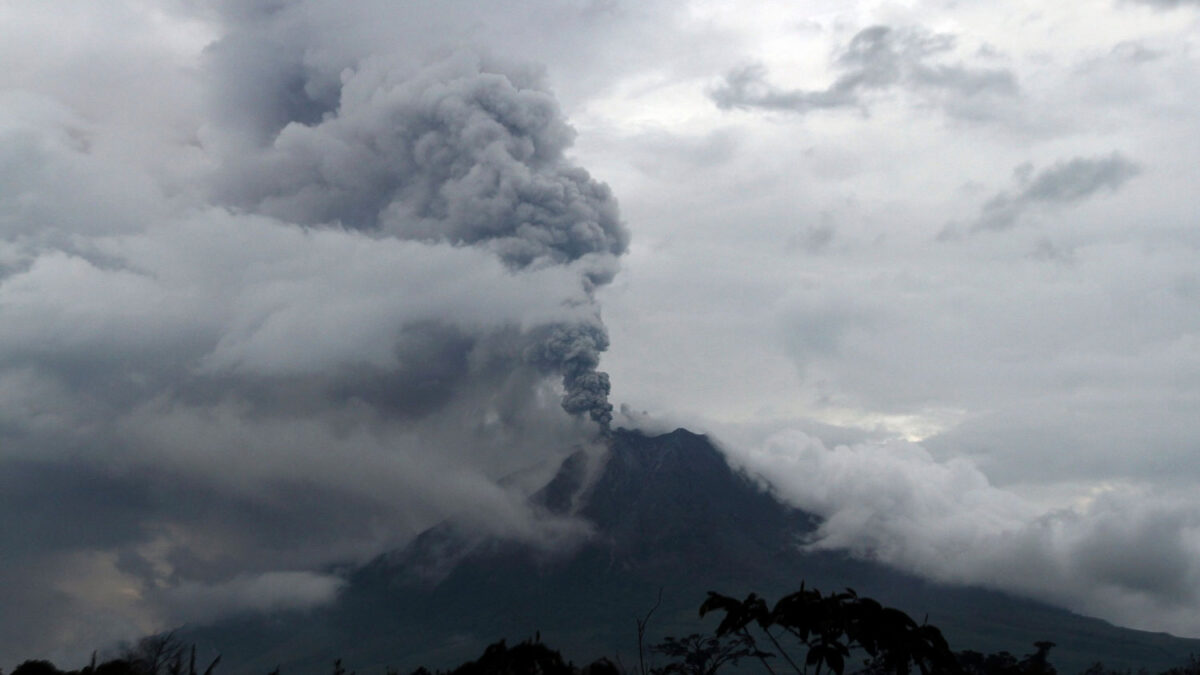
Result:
<point x="804" y="633"/>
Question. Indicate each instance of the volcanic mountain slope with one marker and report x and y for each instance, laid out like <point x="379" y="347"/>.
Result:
<point x="668" y="515"/>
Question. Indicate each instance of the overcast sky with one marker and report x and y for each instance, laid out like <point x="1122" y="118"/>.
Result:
<point x="283" y="283"/>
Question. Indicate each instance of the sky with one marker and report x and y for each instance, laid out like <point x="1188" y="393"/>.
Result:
<point x="283" y="283"/>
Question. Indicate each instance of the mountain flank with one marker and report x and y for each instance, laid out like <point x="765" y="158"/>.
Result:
<point x="670" y="517"/>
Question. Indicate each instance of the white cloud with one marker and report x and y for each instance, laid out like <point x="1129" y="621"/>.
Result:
<point x="1127" y="552"/>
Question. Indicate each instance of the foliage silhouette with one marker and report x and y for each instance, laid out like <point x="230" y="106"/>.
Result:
<point x="154" y="655"/>
<point x="36" y="668"/>
<point x="829" y="629"/>
<point x="1003" y="663"/>
<point x="1192" y="667"/>
<point x="528" y="657"/>
<point x="807" y="632"/>
<point x="703" y="655"/>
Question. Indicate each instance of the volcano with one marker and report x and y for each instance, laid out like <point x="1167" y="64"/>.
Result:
<point x="670" y="521"/>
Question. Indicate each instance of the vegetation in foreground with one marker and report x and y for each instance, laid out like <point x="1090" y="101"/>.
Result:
<point x="804" y="633"/>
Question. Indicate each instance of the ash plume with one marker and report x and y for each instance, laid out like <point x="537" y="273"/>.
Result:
<point x="453" y="153"/>
<point x="327" y="299"/>
<point x="575" y="351"/>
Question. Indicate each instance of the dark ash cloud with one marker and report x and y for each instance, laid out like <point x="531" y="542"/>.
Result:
<point x="877" y="59"/>
<point x="1064" y="182"/>
<point x="453" y="153"/>
<point x="575" y="350"/>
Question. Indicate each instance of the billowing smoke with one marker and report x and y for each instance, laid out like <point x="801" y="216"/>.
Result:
<point x="304" y="305"/>
<point x="575" y="349"/>
<point x="451" y="153"/>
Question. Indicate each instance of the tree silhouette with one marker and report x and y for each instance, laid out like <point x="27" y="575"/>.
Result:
<point x="1003" y="663"/>
<point x="828" y="629"/>
<point x="36" y="668"/>
<point x="703" y="655"/>
<point x="806" y="632"/>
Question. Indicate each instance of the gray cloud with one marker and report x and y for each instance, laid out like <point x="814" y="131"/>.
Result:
<point x="1064" y="182"/>
<point x="876" y="59"/>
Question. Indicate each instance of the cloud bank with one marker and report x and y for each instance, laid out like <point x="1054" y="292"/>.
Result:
<point x="1126" y="552"/>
